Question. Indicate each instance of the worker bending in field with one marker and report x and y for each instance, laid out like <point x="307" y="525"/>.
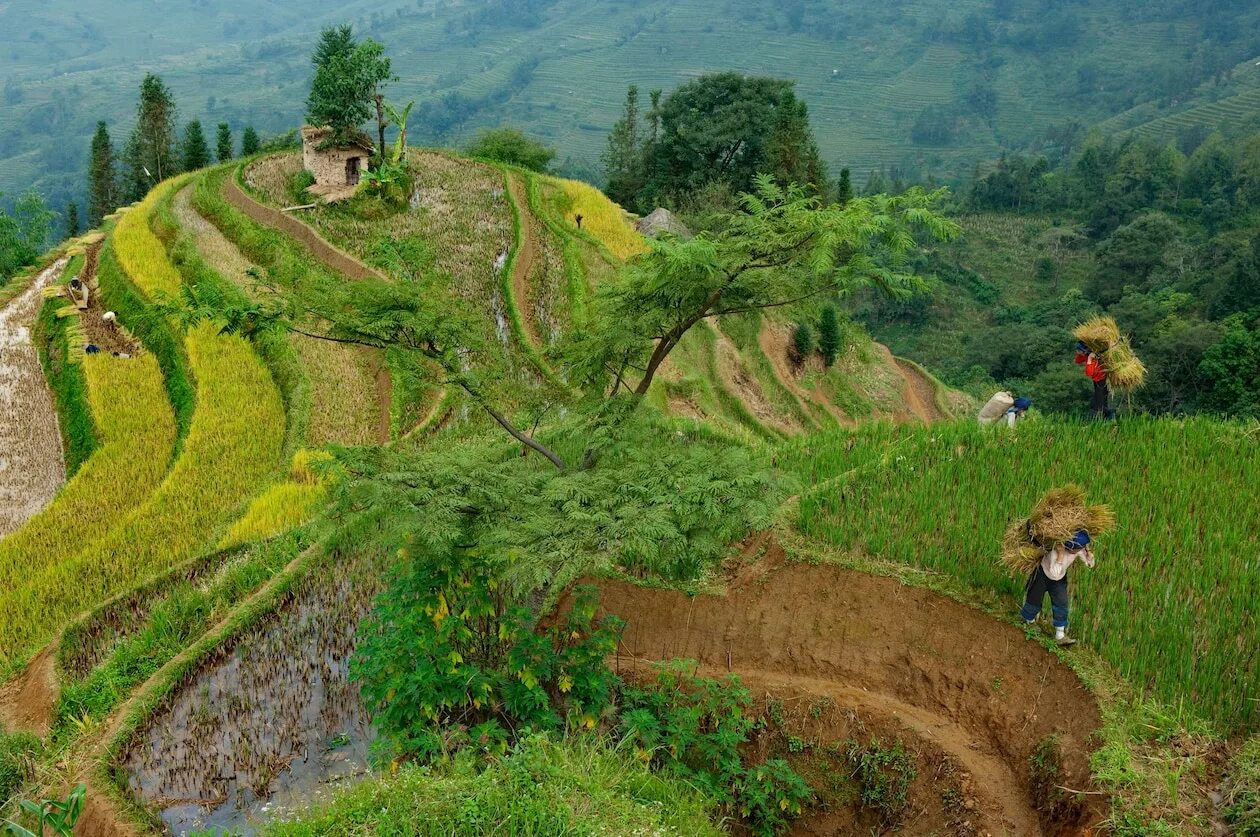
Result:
<point x="1100" y="404"/>
<point x="1050" y="576"/>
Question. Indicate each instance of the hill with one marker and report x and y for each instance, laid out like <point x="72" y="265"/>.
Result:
<point x="180" y="620"/>
<point x="921" y="85"/>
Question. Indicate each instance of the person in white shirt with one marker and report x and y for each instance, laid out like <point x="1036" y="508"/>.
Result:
<point x="1016" y="411"/>
<point x="1050" y="576"/>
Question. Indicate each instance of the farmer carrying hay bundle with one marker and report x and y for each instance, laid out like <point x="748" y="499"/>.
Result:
<point x="1109" y="362"/>
<point x="1045" y="544"/>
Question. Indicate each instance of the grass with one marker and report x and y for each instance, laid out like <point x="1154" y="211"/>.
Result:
<point x="577" y="285"/>
<point x="67" y="382"/>
<point x="140" y="252"/>
<point x="343" y="404"/>
<point x="1172" y="600"/>
<point x="137" y="436"/>
<point x="283" y="506"/>
<point x="543" y="787"/>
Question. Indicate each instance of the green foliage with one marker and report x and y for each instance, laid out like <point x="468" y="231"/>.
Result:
<point x="513" y="147"/>
<point x="250" y="144"/>
<point x="542" y="787"/>
<point x="1242" y="797"/>
<point x="658" y="502"/>
<point x="785" y="246"/>
<point x="803" y="342"/>
<point x="19" y="754"/>
<point x="1231" y="368"/>
<point x="448" y="659"/>
<point x="829" y="335"/>
<point x="348" y="74"/>
<point x="223" y="142"/>
<point x="24" y="234"/>
<point x="695" y="726"/>
<point x="1045" y="779"/>
<point x="51" y="815"/>
<point x="194" y="150"/>
<point x="884" y="774"/>
<point x="389" y="182"/>
<point x="103" y="194"/>
<point x="66" y="381"/>
<point x="150" y="155"/>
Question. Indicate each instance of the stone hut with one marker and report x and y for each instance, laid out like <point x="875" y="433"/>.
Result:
<point x="662" y="221"/>
<point x="335" y="167"/>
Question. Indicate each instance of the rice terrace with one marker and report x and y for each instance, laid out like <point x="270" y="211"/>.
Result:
<point x="406" y="471"/>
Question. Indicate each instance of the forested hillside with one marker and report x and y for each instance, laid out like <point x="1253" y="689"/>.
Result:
<point x="922" y="85"/>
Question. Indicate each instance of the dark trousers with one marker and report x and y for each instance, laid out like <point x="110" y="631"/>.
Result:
<point x="1100" y="404"/>
<point x="1036" y="589"/>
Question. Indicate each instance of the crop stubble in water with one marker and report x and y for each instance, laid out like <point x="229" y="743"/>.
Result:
<point x="269" y="725"/>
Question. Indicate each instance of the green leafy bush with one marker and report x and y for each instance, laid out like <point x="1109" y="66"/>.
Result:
<point x="448" y="659"/>
<point x="510" y="145"/>
<point x="884" y="775"/>
<point x="694" y="726"/>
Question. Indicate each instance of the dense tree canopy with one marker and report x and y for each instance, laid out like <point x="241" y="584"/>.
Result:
<point x="348" y="75"/>
<point x="510" y="145"/>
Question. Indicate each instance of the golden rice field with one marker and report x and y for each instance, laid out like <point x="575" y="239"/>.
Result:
<point x="234" y="443"/>
<point x="601" y="218"/>
<point x="137" y="436"/>
<point x="1172" y="602"/>
<point x="284" y="505"/>
<point x="141" y="253"/>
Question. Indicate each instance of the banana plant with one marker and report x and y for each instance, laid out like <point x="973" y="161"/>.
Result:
<point x="399" y="119"/>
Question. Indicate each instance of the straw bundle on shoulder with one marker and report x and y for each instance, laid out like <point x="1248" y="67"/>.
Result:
<point x="1124" y="370"/>
<point x="1055" y="520"/>
<point x="1098" y="333"/>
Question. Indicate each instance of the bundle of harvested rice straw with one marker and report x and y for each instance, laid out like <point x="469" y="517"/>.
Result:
<point x="1125" y="371"/>
<point x="1055" y="520"/>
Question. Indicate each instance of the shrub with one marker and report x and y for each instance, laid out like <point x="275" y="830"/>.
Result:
<point x="829" y="335"/>
<point x="802" y="342"/>
<point x="884" y="775"/>
<point x="511" y="146"/>
<point x="695" y="726"/>
<point x="447" y="659"/>
<point x="18" y="754"/>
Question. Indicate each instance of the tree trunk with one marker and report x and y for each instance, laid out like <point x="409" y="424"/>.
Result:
<point x="380" y="127"/>
<point x="524" y="438"/>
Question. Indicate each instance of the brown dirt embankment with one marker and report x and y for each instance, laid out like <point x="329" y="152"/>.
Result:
<point x="950" y="675"/>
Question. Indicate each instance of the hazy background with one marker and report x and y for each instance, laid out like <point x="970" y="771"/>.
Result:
<point x="924" y="86"/>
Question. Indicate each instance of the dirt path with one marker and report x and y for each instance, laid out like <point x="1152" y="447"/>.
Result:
<point x="920" y="394"/>
<point x="32" y="467"/>
<point x="526" y="257"/>
<point x="973" y="686"/>
<point x="27" y="701"/>
<point x="351" y="390"/>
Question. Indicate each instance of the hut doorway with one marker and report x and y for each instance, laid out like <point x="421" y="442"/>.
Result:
<point x="352" y="171"/>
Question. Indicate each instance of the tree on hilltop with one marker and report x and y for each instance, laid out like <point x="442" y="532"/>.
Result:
<point x="829" y="335"/>
<point x="223" y="142"/>
<point x="195" y="152"/>
<point x="249" y="142"/>
<point x="348" y="83"/>
<point x="102" y="177"/>
<point x="72" y="219"/>
<point x="150" y="154"/>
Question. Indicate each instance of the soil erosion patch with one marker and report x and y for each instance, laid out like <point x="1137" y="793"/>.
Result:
<point x="949" y="675"/>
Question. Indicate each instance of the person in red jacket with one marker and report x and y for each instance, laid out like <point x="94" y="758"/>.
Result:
<point x="1100" y="404"/>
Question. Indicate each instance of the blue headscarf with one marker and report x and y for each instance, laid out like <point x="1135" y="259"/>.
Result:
<point x="1079" y="541"/>
<point x="1022" y="403"/>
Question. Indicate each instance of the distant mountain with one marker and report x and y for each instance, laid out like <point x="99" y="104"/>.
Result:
<point x="922" y="85"/>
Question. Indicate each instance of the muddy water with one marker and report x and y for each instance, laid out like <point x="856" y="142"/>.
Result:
<point x="271" y="725"/>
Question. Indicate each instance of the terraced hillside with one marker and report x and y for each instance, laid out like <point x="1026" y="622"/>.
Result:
<point x="176" y="624"/>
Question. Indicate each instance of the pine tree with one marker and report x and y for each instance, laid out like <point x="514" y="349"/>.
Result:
<point x="102" y="177"/>
<point x="349" y="79"/>
<point x="829" y="335"/>
<point x="249" y="141"/>
<point x="844" y="189"/>
<point x="151" y="152"/>
<point x="623" y="159"/>
<point x="791" y="153"/>
<point x="224" y="142"/>
<point x="72" y="219"/>
<point x="802" y="342"/>
<point x="195" y="152"/>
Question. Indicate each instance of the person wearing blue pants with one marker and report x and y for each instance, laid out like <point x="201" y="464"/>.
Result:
<point x="1050" y="576"/>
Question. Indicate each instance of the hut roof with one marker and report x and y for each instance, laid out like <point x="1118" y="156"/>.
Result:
<point x="321" y="138"/>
